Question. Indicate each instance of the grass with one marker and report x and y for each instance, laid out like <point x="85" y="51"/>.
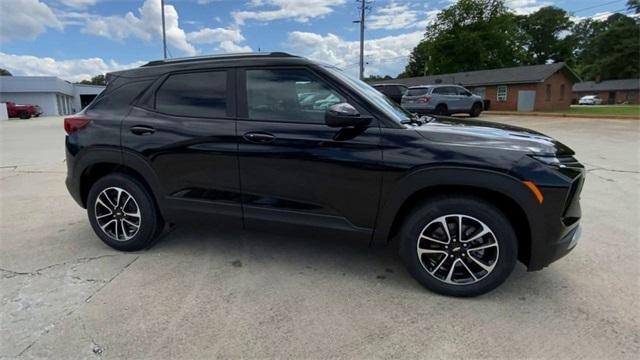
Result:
<point x="624" y="110"/>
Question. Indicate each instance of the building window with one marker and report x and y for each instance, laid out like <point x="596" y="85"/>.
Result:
<point x="501" y="93"/>
<point x="548" y="93"/>
<point x="561" y="91"/>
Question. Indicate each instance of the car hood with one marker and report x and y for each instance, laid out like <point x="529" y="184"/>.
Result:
<point x="478" y="133"/>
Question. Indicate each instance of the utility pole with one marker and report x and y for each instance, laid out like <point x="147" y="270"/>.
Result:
<point x="164" y="30"/>
<point x="362" y="9"/>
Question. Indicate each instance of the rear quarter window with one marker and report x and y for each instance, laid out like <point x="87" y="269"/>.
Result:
<point x="118" y="98"/>
<point x="417" y="91"/>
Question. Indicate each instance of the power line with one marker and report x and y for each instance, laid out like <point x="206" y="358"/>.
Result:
<point x="595" y="6"/>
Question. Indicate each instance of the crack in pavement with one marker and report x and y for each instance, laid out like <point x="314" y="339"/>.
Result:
<point x="83" y="260"/>
<point x="602" y="168"/>
<point x="97" y="349"/>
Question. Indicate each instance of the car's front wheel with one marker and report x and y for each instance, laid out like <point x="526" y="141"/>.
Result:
<point x="476" y="109"/>
<point x="458" y="246"/>
<point x="123" y="213"/>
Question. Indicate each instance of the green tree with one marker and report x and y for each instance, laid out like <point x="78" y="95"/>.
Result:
<point x="470" y="35"/>
<point x="96" y="80"/>
<point x="613" y="51"/>
<point x="545" y="35"/>
<point x="4" y="72"/>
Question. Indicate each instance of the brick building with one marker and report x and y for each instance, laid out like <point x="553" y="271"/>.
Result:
<point x="523" y="88"/>
<point x="623" y="91"/>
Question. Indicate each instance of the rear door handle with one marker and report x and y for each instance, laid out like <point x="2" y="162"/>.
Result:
<point x="142" y="130"/>
<point x="259" y="137"/>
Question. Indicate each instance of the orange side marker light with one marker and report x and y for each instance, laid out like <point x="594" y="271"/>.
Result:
<point x="534" y="189"/>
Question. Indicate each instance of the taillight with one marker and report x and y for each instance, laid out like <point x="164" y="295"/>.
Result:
<point x="425" y="99"/>
<point x="75" y="123"/>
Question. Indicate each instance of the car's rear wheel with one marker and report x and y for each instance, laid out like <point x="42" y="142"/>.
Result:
<point x="458" y="246"/>
<point x="476" y="109"/>
<point x="123" y="213"/>
<point x="25" y="115"/>
<point x="441" y="110"/>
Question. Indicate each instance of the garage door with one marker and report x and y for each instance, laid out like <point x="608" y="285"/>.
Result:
<point x="526" y="100"/>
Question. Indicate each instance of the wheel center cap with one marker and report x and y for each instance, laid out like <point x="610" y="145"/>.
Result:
<point x="456" y="249"/>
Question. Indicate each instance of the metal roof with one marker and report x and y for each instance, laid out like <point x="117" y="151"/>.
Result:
<point x="607" y="85"/>
<point x="512" y="75"/>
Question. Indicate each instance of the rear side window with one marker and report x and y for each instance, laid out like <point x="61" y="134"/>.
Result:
<point x="418" y="91"/>
<point x="117" y="97"/>
<point x="198" y="94"/>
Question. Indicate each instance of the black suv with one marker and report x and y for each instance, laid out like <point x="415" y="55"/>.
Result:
<point x="392" y="91"/>
<point x="274" y="139"/>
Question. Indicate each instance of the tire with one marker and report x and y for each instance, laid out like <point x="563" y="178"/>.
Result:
<point x="25" y="115"/>
<point x="441" y="110"/>
<point x="432" y="268"/>
<point x="476" y="109"/>
<point x="123" y="234"/>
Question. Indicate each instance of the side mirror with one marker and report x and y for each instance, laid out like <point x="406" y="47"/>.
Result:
<point x="344" y="115"/>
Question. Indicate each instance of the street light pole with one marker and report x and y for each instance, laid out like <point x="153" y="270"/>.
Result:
<point x="164" y="30"/>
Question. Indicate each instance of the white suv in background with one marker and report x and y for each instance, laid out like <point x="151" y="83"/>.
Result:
<point x="441" y="100"/>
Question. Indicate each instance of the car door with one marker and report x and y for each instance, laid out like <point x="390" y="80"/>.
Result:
<point x="296" y="170"/>
<point x="465" y="98"/>
<point x="185" y="132"/>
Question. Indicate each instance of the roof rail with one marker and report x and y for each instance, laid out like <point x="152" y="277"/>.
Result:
<point x="216" y="57"/>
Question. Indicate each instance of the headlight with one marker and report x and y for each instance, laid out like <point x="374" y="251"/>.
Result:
<point x="550" y="160"/>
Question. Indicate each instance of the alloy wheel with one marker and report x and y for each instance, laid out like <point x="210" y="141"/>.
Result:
<point x="458" y="249"/>
<point x="117" y="214"/>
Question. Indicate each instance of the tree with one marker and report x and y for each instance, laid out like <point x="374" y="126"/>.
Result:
<point x="96" y="80"/>
<point x="613" y="50"/>
<point x="545" y="35"/>
<point x="4" y="72"/>
<point x="470" y="35"/>
<point x="634" y="5"/>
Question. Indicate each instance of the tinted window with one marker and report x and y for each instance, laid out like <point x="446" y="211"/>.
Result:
<point x="117" y="98"/>
<point x="200" y="94"/>
<point x="462" y="91"/>
<point x="418" y="91"/>
<point x="294" y="95"/>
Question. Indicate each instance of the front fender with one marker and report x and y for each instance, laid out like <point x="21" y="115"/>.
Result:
<point x="422" y="179"/>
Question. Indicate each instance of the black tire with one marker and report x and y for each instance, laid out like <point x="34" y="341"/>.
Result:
<point x="150" y="221"/>
<point x="441" y="109"/>
<point x="25" y="115"/>
<point x="476" y="109"/>
<point x="478" y="209"/>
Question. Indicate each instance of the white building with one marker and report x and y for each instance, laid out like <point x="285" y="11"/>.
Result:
<point x="54" y="95"/>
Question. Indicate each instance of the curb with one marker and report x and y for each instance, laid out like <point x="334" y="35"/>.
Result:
<point x="583" y="116"/>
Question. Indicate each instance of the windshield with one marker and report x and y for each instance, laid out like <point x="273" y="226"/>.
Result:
<point x="377" y="98"/>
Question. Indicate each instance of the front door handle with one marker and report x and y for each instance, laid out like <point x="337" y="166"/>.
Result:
<point x="142" y="130"/>
<point x="259" y="137"/>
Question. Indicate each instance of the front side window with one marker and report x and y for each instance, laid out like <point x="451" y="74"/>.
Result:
<point x="501" y="93"/>
<point x="199" y="94"/>
<point x="294" y="95"/>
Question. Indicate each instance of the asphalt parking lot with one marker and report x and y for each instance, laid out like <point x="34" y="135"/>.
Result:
<point x="207" y="291"/>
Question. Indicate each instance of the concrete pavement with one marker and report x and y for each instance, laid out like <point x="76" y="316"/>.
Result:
<point x="206" y="291"/>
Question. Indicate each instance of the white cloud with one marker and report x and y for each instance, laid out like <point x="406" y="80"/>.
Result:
<point x="79" y="4"/>
<point x="385" y="56"/>
<point x="215" y="35"/>
<point x="231" y="47"/>
<point x="524" y="7"/>
<point x="71" y="70"/>
<point x="393" y="16"/>
<point x="147" y="25"/>
<point x="297" y="10"/>
<point x="400" y="16"/>
<point x="25" y="19"/>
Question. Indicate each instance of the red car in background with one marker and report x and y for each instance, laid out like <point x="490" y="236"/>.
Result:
<point x="25" y="111"/>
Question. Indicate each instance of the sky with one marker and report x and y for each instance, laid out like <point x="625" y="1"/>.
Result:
<point x="78" y="39"/>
